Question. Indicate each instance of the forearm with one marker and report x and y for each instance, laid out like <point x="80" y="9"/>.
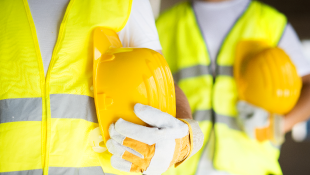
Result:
<point x="183" y="110"/>
<point x="301" y="111"/>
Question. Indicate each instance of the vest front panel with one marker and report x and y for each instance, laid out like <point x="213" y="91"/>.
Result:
<point x="45" y="121"/>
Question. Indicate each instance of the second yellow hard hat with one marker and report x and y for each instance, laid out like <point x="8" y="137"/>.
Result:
<point x="266" y="77"/>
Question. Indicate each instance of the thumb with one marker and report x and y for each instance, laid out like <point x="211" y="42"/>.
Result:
<point x="261" y="117"/>
<point x="244" y="107"/>
<point x="155" y="117"/>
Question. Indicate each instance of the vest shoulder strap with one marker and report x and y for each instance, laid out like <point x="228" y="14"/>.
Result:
<point x="178" y="33"/>
<point x="258" y="22"/>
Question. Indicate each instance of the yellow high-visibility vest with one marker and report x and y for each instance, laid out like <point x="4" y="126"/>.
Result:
<point x="45" y="121"/>
<point x="213" y="100"/>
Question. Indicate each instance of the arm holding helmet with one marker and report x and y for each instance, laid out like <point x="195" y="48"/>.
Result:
<point x="290" y="43"/>
<point x="167" y="136"/>
<point x="301" y="111"/>
<point x="269" y="88"/>
<point x="166" y="141"/>
<point x="183" y="110"/>
<point x="152" y="150"/>
<point x="141" y="138"/>
<point x="261" y="125"/>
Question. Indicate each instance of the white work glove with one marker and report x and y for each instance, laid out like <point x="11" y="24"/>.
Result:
<point x="259" y="124"/>
<point x="152" y="150"/>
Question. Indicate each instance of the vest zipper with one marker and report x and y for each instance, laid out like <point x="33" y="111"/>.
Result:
<point x="47" y="87"/>
<point x="42" y="80"/>
<point x="44" y="84"/>
<point x="213" y="117"/>
<point x="217" y="73"/>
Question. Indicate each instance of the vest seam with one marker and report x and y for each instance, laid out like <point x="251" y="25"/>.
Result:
<point x="47" y="84"/>
<point x="214" y="75"/>
<point x="127" y="17"/>
<point x="283" y="31"/>
<point x="246" y="9"/>
<point x="42" y="78"/>
<point x="201" y="33"/>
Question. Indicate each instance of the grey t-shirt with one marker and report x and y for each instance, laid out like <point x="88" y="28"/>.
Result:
<point x="140" y="30"/>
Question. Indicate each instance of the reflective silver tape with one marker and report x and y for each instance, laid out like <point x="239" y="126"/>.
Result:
<point x="73" y="106"/>
<point x="96" y="170"/>
<point x="231" y="122"/>
<point x="20" y="109"/>
<point x="193" y="71"/>
<point x="201" y="115"/>
<point x="200" y="70"/>
<point x="225" y="70"/>
<point x="26" y="172"/>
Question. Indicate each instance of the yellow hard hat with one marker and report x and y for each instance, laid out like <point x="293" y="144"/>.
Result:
<point x="266" y="77"/>
<point x="126" y="76"/>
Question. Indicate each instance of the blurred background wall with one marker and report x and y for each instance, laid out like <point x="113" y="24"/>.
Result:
<point x="295" y="154"/>
<point x="297" y="11"/>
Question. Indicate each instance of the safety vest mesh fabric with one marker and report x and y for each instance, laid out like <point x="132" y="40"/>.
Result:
<point x="214" y="100"/>
<point x="45" y="122"/>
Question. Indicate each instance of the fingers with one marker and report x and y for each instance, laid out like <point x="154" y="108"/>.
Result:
<point x="120" y="164"/>
<point x="137" y="146"/>
<point x="261" y="118"/>
<point x="115" y="135"/>
<point x="129" y="155"/>
<point x="116" y="147"/>
<point x="244" y="107"/>
<point x="124" y="165"/>
<point x="138" y="132"/>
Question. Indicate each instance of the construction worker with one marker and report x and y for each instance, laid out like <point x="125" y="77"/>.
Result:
<point x="199" y="40"/>
<point x="46" y="90"/>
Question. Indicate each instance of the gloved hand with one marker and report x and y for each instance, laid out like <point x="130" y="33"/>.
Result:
<point x="152" y="150"/>
<point x="259" y="124"/>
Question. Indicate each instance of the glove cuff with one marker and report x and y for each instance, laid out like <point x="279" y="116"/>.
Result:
<point x="278" y="133"/>
<point x="196" y="137"/>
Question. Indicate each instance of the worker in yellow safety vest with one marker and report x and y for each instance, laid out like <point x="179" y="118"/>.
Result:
<point x="201" y="42"/>
<point x="47" y="108"/>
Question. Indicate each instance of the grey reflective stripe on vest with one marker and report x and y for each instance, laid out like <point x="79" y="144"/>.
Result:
<point x="201" y="115"/>
<point x="20" y="109"/>
<point x="73" y="106"/>
<point x="190" y="72"/>
<point x="199" y="70"/>
<point x="225" y="70"/>
<point x="26" y="172"/>
<point x="231" y="122"/>
<point x="96" y="170"/>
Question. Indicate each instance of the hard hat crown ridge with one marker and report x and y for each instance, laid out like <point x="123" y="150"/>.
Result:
<point x="126" y="76"/>
<point x="266" y="77"/>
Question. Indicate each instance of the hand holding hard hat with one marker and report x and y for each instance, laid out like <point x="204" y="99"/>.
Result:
<point x="268" y="82"/>
<point x="151" y="150"/>
<point x="259" y="124"/>
<point x="142" y="138"/>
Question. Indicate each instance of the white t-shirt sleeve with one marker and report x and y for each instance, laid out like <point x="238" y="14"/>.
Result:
<point x="140" y="30"/>
<point x="291" y="45"/>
